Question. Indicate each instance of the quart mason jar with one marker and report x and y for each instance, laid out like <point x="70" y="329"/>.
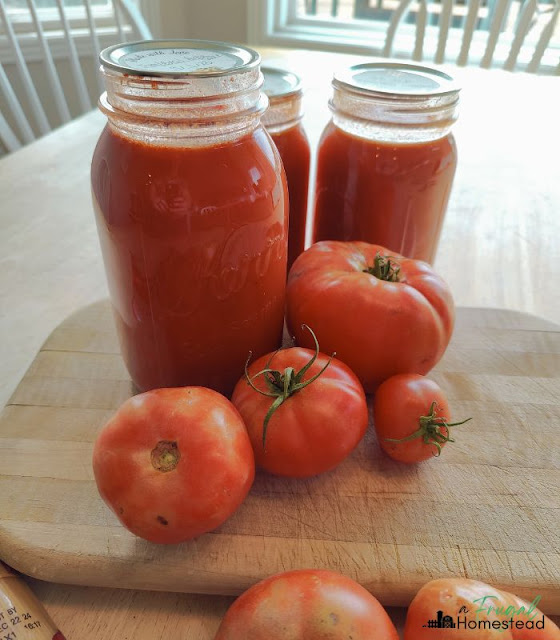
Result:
<point x="190" y="200"/>
<point x="387" y="159"/>
<point x="283" y="121"/>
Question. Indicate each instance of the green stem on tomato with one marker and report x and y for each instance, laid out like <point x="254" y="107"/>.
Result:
<point x="430" y="430"/>
<point x="384" y="269"/>
<point x="283" y="385"/>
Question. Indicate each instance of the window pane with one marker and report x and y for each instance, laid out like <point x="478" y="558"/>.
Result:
<point x="382" y="10"/>
<point x="344" y="9"/>
<point x="51" y="4"/>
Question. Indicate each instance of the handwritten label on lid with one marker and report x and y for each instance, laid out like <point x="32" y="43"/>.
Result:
<point x="180" y="60"/>
<point x="395" y="81"/>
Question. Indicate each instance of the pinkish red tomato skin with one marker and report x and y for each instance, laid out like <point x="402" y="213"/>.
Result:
<point x="213" y="475"/>
<point x="378" y="328"/>
<point x="307" y="604"/>
<point x="477" y="601"/>
<point x="315" y="429"/>
<point x="398" y="404"/>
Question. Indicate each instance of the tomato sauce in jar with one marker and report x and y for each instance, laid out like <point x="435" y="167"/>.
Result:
<point x="283" y="121"/>
<point x="387" y="159"/>
<point x="394" y="195"/>
<point x="192" y="221"/>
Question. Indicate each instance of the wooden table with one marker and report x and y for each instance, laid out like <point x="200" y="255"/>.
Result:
<point x="499" y="249"/>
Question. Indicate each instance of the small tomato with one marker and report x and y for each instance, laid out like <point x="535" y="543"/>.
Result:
<point x="478" y="611"/>
<point x="382" y="313"/>
<point x="454" y="597"/>
<point x="174" y="463"/>
<point x="306" y="604"/>
<point x="411" y="417"/>
<point x="305" y="412"/>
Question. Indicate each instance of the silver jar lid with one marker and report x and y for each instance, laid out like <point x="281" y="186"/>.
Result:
<point x="395" y="80"/>
<point x="179" y="58"/>
<point x="279" y="83"/>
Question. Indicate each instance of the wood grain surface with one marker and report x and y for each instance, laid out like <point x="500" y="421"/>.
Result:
<point x="488" y="509"/>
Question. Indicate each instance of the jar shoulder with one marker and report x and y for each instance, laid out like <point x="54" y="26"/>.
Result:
<point x="379" y="139"/>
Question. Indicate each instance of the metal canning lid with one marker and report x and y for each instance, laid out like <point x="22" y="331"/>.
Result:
<point x="179" y="58"/>
<point x="394" y="79"/>
<point x="279" y="83"/>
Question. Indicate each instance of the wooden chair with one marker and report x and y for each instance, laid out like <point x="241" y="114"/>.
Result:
<point x="482" y="38"/>
<point x="22" y="125"/>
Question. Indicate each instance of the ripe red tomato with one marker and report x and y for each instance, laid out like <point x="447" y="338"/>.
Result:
<point x="174" y="463"/>
<point x="453" y="597"/>
<point x="382" y="313"/>
<point x="306" y="605"/>
<point x="300" y="428"/>
<point x="411" y="417"/>
<point x="479" y="612"/>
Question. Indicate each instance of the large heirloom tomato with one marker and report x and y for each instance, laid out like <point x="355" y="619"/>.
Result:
<point x="382" y="313"/>
<point x="463" y="609"/>
<point x="306" y="605"/>
<point x="304" y="412"/>
<point x="174" y="463"/>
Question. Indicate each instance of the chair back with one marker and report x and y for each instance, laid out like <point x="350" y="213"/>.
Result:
<point x="511" y="34"/>
<point x="74" y="35"/>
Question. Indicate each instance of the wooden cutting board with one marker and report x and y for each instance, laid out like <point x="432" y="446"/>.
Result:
<point x="488" y="509"/>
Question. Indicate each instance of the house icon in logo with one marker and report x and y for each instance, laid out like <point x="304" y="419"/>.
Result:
<point x="442" y="622"/>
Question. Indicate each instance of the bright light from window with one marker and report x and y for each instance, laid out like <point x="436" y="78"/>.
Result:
<point x="382" y="10"/>
<point x="51" y="4"/>
<point x="341" y="9"/>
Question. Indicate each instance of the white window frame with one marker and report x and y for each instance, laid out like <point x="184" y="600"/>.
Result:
<point x="50" y="22"/>
<point x="276" y="23"/>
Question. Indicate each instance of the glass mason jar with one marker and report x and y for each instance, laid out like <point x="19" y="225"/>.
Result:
<point x="283" y="121"/>
<point x="190" y="201"/>
<point x="387" y="159"/>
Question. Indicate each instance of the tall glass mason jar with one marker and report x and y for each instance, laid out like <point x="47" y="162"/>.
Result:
<point x="387" y="159"/>
<point x="283" y="121"/>
<point x="190" y="200"/>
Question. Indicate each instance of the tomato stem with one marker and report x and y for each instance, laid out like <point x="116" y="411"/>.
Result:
<point x="430" y="430"/>
<point x="283" y="385"/>
<point x="384" y="269"/>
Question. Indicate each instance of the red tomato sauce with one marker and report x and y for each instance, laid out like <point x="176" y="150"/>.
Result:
<point x="394" y="195"/>
<point x="293" y="146"/>
<point x="194" y="244"/>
